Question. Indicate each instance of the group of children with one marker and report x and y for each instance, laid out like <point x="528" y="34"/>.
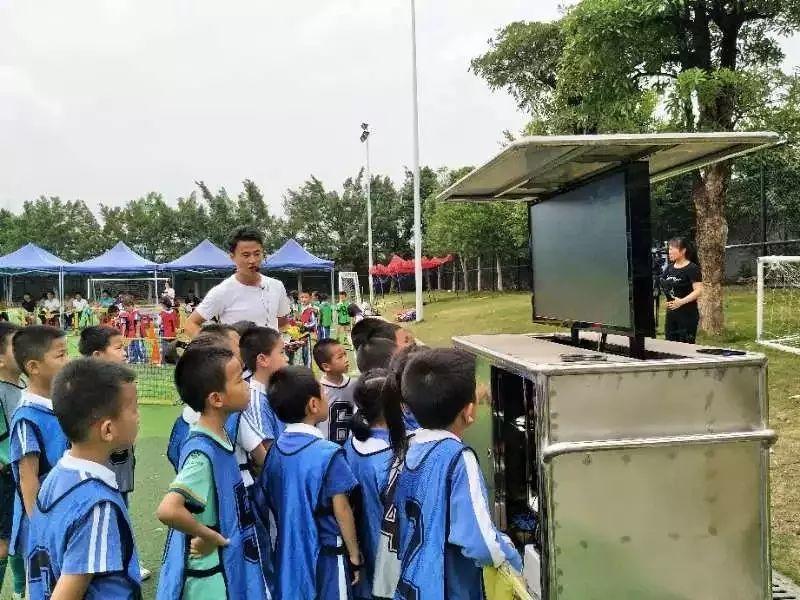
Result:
<point x="136" y="326"/>
<point x="311" y="319"/>
<point x="286" y="486"/>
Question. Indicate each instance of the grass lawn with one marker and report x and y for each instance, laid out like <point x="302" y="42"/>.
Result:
<point x="453" y="315"/>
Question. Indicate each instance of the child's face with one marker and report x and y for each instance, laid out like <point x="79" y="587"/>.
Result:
<point x="275" y="360"/>
<point x="339" y="363"/>
<point x="7" y="361"/>
<point x="404" y="338"/>
<point x="124" y="428"/>
<point x="52" y="362"/>
<point x="305" y="299"/>
<point x="237" y="393"/>
<point x="317" y="408"/>
<point x="115" y="351"/>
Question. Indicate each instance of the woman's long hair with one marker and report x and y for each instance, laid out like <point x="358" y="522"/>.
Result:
<point x="682" y="243"/>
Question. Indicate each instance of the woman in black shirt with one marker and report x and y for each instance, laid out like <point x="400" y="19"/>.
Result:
<point x="682" y="284"/>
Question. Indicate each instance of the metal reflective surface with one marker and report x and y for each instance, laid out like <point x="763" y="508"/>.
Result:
<point x="658" y="523"/>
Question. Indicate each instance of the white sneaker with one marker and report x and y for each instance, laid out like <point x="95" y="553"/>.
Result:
<point x="16" y="596"/>
<point x="144" y="573"/>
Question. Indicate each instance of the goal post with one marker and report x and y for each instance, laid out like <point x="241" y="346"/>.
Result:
<point x="778" y="302"/>
<point x="348" y="283"/>
<point x="142" y="289"/>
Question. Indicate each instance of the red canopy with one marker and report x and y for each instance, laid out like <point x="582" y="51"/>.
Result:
<point x="400" y="266"/>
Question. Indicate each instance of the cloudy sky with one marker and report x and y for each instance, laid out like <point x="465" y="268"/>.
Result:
<point x="105" y="100"/>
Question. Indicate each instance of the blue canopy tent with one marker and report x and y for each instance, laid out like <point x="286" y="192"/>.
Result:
<point x="202" y="258"/>
<point x="32" y="259"/>
<point x="293" y="257"/>
<point x="117" y="260"/>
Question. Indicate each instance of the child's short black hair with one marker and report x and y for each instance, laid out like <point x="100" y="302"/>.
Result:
<point x="87" y="390"/>
<point x="255" y="341"/>
<point x="437" y="384"/>
<point x="324" y="349"/>
<point x="371" y="327"/>
<point x="322" y="296"/>
<point x="290" y="389"/>
<point x="217" y="329"/>
<point x="201" y="371"/>
<point x="166" y="302"/>
<point x="375" y="354"/>
<point x="31" y="343"/>
<point x="96" y="339"/>
<point x="7" y="331"/>
<point x="244" y="233"/>
<point x="242" y="326"/>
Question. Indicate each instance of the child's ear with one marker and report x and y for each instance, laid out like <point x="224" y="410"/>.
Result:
<point x="32" y="367"/>
<point x="106" y="428"/>
<point x="96" y="354"/>
<point x="468" y="414"/>
<point x="215" y="400"/>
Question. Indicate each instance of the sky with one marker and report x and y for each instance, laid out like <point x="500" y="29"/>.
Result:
<point x="106" y="100"/>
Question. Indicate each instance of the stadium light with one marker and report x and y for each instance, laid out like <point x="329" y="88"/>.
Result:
<point x="365" y="140"/>
<point x="417" y="206"/>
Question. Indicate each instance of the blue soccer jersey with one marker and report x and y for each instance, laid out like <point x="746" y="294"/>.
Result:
<point x="260" y="414"/>
<point x="446" y="533"/>
<point x="302" y="474"/>
<point x="34" y="431"/>
<point x="375" y="468"/>
<point x="81" y="527"/>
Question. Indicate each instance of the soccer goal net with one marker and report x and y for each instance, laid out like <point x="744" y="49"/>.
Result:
<point x="778" y="303"/>
<point x="143" y="290"/>
<point x="348" y="283"/>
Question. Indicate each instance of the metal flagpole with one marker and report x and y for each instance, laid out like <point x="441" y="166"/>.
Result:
<point x="365" y="139"/>
<point x="417" y="207"/>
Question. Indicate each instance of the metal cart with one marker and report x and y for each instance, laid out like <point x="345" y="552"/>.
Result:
<point x="629" y="478"/>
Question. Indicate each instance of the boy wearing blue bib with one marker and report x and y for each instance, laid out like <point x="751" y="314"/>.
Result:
<point x="305" y="485"/>
<point x="37" y="441"/>
<point x="212" y="549"/>
<point x="10" y="394"/>
<point x="81" y="539"/>
<point x="446" y="534"/>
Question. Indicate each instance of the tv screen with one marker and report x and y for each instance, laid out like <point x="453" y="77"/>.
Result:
<point x="591" y="254"/>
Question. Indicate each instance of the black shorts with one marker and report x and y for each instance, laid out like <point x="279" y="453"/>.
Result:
<point x="6" y="503"/>
<point x="681" y="324"/>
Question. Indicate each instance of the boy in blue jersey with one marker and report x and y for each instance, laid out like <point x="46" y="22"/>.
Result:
<point x="107" y="343"/>
<point x="37" y="440"/>
<point x="305" y="484"/>
<point x="10" y="394"/>
<point x="374" y="453"/>
<point x="262" y="354"/>
<point x="446" y="534"/>
<point x="212" y="550"/>
<point x="81" y="538"/>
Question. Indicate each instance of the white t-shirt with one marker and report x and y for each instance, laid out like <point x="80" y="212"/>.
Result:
<point x="170" y="293"/>
<point x="231" y="301"/>
<point x="52" y="305"/>
<point x="79" y="305"/>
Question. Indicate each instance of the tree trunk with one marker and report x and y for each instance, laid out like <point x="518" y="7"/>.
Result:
<point x="455" y="278"/>
<point x="480" y="286"/>
<point x="439" y="278"/>
<point x="499" y="274"/>
<point x="464" y="270"/>
<point x="708" y="194"/>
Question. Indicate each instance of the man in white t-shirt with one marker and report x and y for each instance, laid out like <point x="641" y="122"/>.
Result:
<point x="247" y="295"/>
<point x="169" y="292"/>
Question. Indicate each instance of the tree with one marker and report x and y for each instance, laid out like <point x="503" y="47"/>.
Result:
<point x="713" y="64"/>
<point x="67" y="229"/>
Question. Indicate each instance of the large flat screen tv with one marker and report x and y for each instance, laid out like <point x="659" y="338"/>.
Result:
<point x="591" y="255"/>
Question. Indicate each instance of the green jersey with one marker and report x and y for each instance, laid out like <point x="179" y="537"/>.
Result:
<point x="343" y="314"/>
<point x="325" y="314"/>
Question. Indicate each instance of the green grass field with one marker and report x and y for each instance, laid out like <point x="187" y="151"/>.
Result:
<point x="451" y="315"/>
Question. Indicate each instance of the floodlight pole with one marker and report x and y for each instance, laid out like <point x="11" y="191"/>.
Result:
<point x="365" y="139"/>
<point x="417" y="206"/>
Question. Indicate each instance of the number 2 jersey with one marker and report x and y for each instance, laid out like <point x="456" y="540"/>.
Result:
<point x="446" y="533"/>
<point x="340" y="408"/>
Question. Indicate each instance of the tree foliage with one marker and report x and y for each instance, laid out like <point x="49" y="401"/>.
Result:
<point x="651" y="65"/>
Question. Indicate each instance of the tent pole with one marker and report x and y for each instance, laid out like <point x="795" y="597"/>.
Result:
<point x="61" y="296"/>
<point x="89" y="289"/>
<point x="333" y="287"/>
<point x="300" y="282"/>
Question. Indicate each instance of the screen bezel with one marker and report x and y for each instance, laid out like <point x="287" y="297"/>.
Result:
<point x="640" y="274"/>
